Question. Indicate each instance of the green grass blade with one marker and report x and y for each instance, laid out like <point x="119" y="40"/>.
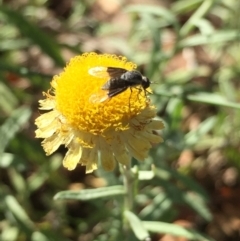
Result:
<point x="186" y="181"/>
<point x="19" y="213"/>
<point x="193" y="137"/>
<point x="175" y="230"/>
<point x="213" y="99"/>
<point x="8" y="101"/>
<point x="90" y="194"/>
<point x="200" y="12"/>
<point x="137" y="226"/>
<point x="183" y="6"/>
<point x="12" y="125"/>
<point x="155" y="10"/>
<point x="197" y="204"/>
<point x="221" y="36"/>
<point x="203" y="97"/>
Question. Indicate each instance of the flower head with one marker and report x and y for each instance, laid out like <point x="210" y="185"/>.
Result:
<point x="115" y="129"/>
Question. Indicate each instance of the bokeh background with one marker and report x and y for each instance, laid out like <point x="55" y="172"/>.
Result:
<point x="190" y="49"/>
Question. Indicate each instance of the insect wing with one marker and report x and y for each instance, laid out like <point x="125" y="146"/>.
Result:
<point x="106" y="72"/>
<point x="115" y="72"/>
<point x="100" y="72"/>
<point x="116" y="91"/>
<point x="99" y="97"/>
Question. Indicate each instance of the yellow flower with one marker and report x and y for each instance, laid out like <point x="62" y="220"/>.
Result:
<point x="116" y="129"/>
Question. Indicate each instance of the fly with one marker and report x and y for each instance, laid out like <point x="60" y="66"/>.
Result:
<point x="119" y="80"/>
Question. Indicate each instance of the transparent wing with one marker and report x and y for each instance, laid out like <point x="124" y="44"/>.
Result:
<point x="99" y="97"/>
<point x="106" y="72"/>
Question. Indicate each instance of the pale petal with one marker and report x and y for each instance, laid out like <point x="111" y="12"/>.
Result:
<point x="90" y="167"/>
<point x="47" y="104"/>
<point x="107" y="158"/>
<point x="51" y="144"/>
<point x="48" y="130"/>
<point x="155" y="125"/>
<point x="138" y="149"/>
<point x="68" y="138"/>
<point x="135" y="139"/>
<point x="92" y="163"/>
<point x="152" y="138"/>
<point x="85" y="156"/>
<point x="135" y="153"/>
<point x="73" y="156"/>
<point x="123" y="158"/>
<point x="119" y="150"/>
<point x="141" y="143"/>
<point x="147" y="114"/>
<point x="46" y="119"/>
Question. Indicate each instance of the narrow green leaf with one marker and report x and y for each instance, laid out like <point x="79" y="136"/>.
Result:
<point x="202" y="97"/>
<point x="90" y="194"/>
<point x="205" y="27"/>
<point x="19" y="213"/>
<point x="12" y="125"/>
<point x="196" y="16"/>
<point x="17" y="180"/>
<point x="137" y="226"/>
<point x="156" y="10"/>
<point x="33" y="32"/>
<point x="160" y="205"/>
<point x="198" y="204"/>
<point x="183" y="6"/>
<point x="175" y="230"/>
<point x="213" y="99"/>
<point x="187" y="182"/>
<point x="221" y="36"/>
<point x="193" y="137"/>
<point x="8" y="101"/>
<point x="163" y="174"/>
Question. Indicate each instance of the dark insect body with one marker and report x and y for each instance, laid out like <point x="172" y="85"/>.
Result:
<point x="119" y="80"/>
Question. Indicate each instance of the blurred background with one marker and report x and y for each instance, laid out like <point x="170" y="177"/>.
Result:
<point x="190" y="49"/>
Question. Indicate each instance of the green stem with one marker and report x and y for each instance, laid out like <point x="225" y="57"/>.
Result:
<point x="130" y="185"/>
<point x="128" y="181"/>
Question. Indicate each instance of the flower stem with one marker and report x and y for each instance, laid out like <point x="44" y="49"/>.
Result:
<point x="128" y="181"/>
<point x="130" y="184"/>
